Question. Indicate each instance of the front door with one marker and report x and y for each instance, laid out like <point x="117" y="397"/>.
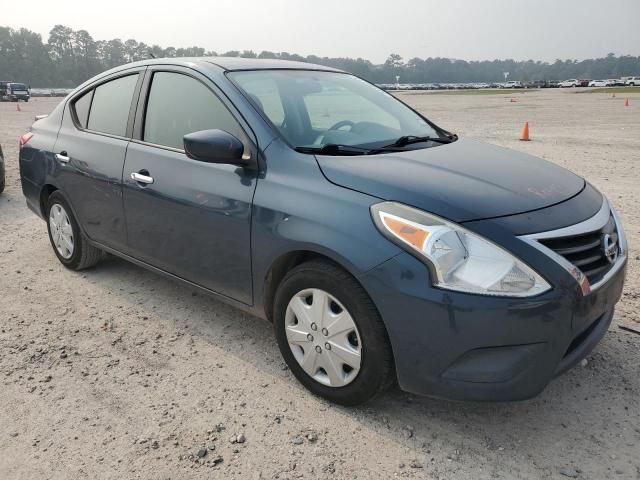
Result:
<point x="189" y="218"/>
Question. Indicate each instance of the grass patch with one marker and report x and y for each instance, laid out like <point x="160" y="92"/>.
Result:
<point x="612" y="90"/>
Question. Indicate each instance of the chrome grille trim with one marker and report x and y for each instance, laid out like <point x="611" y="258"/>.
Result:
<point x="597" y="222"/>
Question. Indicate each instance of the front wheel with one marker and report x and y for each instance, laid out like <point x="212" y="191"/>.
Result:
<point x="331" y="335"/>
<point x="69" y="244"/>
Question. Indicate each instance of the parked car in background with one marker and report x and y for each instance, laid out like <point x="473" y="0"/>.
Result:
<point x="599" y="83"/>
<point x="539" y="84"/>
<point x="633" y="81"/>
<point x="18" y="91"/>
<point x="14" y="92"/>
<point x="573" y="82"/>
<point x="383" y="248"/>
<point x="615" y="82"/>
<point x="513" y="84"/>
<point x="3" y="90"/>
<point x="2" y="171"/>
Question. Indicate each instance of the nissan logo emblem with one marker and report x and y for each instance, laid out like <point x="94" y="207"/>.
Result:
<point x="610" y="246"/>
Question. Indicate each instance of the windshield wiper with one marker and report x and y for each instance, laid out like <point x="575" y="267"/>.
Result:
<point x="409" y="139"/>
<point x="348" y="150"/>
<point x="334" y="149"/>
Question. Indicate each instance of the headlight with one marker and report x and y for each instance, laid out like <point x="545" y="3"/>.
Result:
<point x="459" y="259"/>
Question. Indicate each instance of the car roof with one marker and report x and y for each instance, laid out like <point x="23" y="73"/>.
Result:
<point x="224" y="64"/>
<point x="234" y="63"/>
<point x="237" y="63"/>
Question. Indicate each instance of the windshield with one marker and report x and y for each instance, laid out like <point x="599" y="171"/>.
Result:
<point x="314" y="109"/>
<point x="17" y="86"/>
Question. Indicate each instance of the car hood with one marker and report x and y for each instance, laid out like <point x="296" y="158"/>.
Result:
<point x="462" y="181"/>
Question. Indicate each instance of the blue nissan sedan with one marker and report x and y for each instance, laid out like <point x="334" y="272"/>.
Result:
<point x="383" y="248"/>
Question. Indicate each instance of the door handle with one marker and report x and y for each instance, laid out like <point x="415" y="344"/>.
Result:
<point x="62" y="157"/>
<point x="140" y="178"/>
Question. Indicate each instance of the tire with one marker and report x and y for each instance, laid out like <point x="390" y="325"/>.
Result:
<point x="82" y="254"/>
<point x="375" y="372"/>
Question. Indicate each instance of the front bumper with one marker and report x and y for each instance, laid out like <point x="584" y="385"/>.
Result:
<point x="475" y="347"/>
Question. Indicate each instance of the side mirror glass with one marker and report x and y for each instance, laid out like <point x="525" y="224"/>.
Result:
<point x="214" y="146"/>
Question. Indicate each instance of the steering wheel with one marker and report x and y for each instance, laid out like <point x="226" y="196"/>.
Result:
<point x="336" y="126"/>
<point x="340" y="124"/>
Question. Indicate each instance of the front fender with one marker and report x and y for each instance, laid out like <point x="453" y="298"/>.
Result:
<point x="296" y="209"/>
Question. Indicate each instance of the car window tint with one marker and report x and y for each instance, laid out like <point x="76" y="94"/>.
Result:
<point x="334" y="104"/>
<point x="178" y="105"/>
<point x="330" y="107"/>
<point x="265" y="95"/>
<point x="110" y="107"/>
<point x="81" y="107"/>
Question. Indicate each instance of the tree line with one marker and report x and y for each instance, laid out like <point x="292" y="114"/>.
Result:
<point x="69" y="57"/>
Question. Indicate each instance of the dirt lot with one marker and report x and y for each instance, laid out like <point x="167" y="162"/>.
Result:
<point x="118" y="373"/>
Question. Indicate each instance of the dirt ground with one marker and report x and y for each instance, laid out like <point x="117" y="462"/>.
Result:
<point x="117" y="373"/>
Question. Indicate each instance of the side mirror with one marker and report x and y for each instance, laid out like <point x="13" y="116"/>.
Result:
<point x="214" y="146"/>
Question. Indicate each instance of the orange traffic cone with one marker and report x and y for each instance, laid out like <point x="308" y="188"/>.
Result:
<point x="524" y="136"/>
<point x="18" y="107"/>
<point x="613" y="95"/>
<point x="626" y="102"/>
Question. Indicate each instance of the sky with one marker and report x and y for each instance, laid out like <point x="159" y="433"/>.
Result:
<point x="371" y="29"/>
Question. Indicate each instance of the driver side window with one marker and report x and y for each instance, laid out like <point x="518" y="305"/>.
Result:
<point x="179" y="104"/>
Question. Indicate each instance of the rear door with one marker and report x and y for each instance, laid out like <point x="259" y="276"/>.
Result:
<point x="190" y="218"/>
<point x="90" y="151"/>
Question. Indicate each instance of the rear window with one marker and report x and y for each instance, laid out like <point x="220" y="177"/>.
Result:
<point x="17" y="86"/>
<point x="110" y="107"/>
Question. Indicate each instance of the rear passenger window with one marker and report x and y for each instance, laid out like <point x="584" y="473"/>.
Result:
<point x="81" y="107"/>
<point x="179" y="104"/>
<point x="110" y="106"/>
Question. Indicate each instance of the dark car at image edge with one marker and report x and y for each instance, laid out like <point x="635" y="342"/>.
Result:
<point x="14" y="92"/>
<point x="383" y="248"/>
<point x="2" y="171"/>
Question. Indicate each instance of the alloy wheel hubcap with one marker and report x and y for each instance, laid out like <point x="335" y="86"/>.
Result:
<point x="61" y="231"/>
<point x="323" y="337"/>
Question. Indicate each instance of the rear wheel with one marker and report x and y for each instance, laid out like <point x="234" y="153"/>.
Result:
<point x="69" y="244"/>
<point x="331" y="335"/>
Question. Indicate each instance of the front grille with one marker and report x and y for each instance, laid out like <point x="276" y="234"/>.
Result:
<point x="586" y="251"/>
